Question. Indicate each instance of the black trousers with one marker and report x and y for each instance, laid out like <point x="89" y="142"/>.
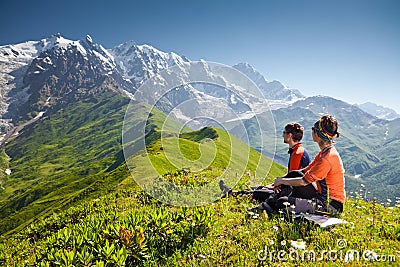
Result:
<point x="303" y="199"/>
<point x="308" y="192"/>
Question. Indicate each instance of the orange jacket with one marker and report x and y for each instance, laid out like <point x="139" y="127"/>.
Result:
<point x="327" y="170"/>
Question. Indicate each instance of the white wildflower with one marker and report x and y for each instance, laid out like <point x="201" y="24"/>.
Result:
<point x="298" y="244"/>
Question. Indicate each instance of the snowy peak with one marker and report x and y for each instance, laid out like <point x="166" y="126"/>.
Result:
<point x="274" y="90"/>
<point x="247" y="69"/>
<point x="27" y="51"/>
<point x="37" y="75"/>
<point x="31" y="49"/>
<point x="96" y="50"/>
<point x="140" y="62"/>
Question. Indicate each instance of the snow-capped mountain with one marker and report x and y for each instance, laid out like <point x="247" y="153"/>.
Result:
<point x="37" y="75"/>
<point x="379" y="111"/>
<point x="14" y="62"/>
<point x="141" y="62"/>
<point x="25" y="53"/>
<point x="273" y="90"/>
<point x="138" y="63"/>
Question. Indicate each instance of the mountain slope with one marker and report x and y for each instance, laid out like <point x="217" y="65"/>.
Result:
<point x="56" y="157"/>
<point x="41" y="79"/>
<point x="379" y="111"/>
<point x="59" y="157"/>
<point x="68" y="155"/>
<point x="273" y="90"/>
<point x="56" y="71"/>
<point x="141" y="62"/>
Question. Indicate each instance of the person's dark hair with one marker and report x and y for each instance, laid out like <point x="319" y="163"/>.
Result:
<point x="327" y="128"/>
<point x="296" y="130"/>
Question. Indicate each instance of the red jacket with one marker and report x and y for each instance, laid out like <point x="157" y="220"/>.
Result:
<point x="299" y="157"/>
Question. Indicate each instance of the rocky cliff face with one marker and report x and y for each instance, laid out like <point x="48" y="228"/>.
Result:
<point x="61" y="72"/>
<point x="138" y="63"/>
<point x="273" y="90"/>
<point x="55" y="71"/>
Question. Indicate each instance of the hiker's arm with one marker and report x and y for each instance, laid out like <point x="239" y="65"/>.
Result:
<point x="268" y="186"/>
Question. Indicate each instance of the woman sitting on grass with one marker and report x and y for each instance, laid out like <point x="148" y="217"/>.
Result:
<point x="326" y="170"/>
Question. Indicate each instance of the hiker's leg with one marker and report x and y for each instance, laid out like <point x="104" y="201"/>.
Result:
<point x="307" y="192"/>
<point x="285" y="203"/>
<point x="296" y="204"/>
<point x="262" y="194"/>
<point x="248" y="191"/>
<point x="263" y="206"/>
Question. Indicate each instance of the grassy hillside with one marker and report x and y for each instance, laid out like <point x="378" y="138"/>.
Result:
<point x="73" y="151"/>
<point x="128" y="228"/>
<point x="55" y="159"/>
<point x="205" y="156"/>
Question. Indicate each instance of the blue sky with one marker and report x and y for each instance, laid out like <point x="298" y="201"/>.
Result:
<point x="347" y="49"/>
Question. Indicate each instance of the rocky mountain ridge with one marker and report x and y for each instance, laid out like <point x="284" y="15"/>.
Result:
<point x="56" y="71"/>
<point x="43" y="77"/>
<point x="37" y="74"/>
<point x="379" y="111"/>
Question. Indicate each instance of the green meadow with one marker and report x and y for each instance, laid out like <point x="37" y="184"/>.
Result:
<point x="73" y="200"/>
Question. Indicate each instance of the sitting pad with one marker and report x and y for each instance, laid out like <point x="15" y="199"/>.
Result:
<point x="321" y="220"/>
